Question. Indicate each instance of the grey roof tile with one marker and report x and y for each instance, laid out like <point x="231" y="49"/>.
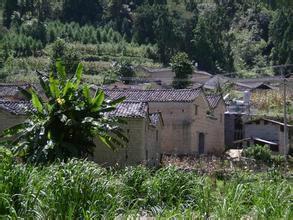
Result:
<point x="159" y="95"/>
<point x="16" y="107"/>
<point x="130" y="110"/>
<point x="213" y="100"/>
<point x="12" y="90"/>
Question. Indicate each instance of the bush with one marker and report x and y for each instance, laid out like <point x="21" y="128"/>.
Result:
<point x="259" y="153"/>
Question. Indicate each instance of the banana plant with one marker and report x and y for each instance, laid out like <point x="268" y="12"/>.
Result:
<point x="64" y="120"/>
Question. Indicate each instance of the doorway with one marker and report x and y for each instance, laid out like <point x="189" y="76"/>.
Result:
<point x="201" y="141"/>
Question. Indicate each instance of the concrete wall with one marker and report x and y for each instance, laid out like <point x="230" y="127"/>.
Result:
<point x="268" y="131"/>
<point x="290" y="141"/>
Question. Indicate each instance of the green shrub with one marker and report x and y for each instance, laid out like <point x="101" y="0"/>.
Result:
<point x="57" y="128"/>
<point x="259" y="153"/>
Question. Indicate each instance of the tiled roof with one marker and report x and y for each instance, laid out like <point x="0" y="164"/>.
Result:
<point x="15" y="107"/>
<point x="155" y="118"/>
<point x="213" y="100"/>
<point x="268" y="120"/>
<point x="159" y="95"/>
<point x="11" y="90"/>
<point x="257" y="85"/>
<point x="216" y="81"/>
<point x="130" y="110"/>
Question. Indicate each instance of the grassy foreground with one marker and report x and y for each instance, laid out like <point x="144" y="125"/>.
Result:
<point x="83" y="190"/>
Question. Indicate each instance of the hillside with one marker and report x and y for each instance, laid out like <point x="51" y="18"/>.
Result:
<point x="243" y="37"/>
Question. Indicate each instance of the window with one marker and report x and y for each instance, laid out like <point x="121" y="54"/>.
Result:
<point x="282" y="128"/>
<point x="195" y="109"/>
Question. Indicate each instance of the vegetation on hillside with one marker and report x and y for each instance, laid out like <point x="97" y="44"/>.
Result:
<point x="220" y="36"/>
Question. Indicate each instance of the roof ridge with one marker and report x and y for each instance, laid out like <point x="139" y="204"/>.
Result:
<point x="151" y="90"/>
<point x="15" y="84"/>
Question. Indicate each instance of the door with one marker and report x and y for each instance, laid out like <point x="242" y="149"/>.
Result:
<point x="201" y="143"/>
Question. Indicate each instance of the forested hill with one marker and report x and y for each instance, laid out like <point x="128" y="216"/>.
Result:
<point x="219" y="35"/>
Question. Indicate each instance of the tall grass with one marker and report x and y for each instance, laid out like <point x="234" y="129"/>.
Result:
<point x="84" y="190"/>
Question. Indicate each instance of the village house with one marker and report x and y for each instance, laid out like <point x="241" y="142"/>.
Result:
<point x="143" y="131"/>
<point x="193" y="122"/>
<point x="267" y="132"/>
<point x="165" y="76"/>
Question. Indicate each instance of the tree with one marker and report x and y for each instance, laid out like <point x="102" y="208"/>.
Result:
<point x="9" y="7"/>
<point x="281" y="37"/>
<point x="182" y="67"/>
<point x="125" y="70"/>
<point x="82" y="11"/>
<point x="144" y="19"/>
<point x="63" y="124"/>
<point x="69" y="57"/>
<point x="211" y="43"/>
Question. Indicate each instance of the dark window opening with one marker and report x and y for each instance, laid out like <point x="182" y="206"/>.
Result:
<point x="126" y="155"/>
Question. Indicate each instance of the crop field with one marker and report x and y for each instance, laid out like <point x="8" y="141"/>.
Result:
<point x="272" y="102"/>
<point x="83" y="190"/>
